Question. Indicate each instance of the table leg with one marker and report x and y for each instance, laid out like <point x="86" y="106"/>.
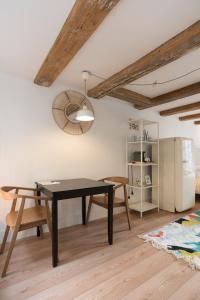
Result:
<point x="110" y="216"/>
<point x="54" y="232"/>
<point x="84" y="210"/>
<point x="38" y="228"/>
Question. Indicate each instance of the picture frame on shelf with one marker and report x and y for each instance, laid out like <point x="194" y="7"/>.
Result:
<point x="147" y="179"/>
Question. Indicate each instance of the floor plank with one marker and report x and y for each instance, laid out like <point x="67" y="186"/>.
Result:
<point x="85" y="281"/>
<point x="190" y="290"/>
<point x="69" y="270"/>
<point x="163" y="284"/>
<point x="129" y="279"/>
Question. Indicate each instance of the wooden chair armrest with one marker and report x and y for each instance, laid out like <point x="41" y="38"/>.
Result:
<point x="10" y="188"/>
<point x="33" y="197"/>
<point x="115" y="186"/>
<point x="118" y="186"/>
<point x="12" y="196"/>
<point x="20" y="188"/>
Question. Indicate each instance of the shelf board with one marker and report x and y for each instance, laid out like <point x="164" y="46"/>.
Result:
<point x="144" y="187"/>
<point x="138" y="164"/>
<point x="145" y="206"/>
<point x="143" y="121"/>
<point x="143" y="142"/>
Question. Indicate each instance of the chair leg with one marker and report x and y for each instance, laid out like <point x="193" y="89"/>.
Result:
<point x="128" y="215"/>
<point x="127" y="207"/>
<point x="41" y="231"/>
<point x="88" y="211"/>
<point x="48" y="217"/>
<point x="14" y="236"/>
<point x="12" y="244"/>
<point x="37" y="203"/>
<point x="4" y="239"/>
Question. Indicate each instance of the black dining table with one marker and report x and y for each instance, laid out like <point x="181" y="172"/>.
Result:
<point x="74" y="188"/>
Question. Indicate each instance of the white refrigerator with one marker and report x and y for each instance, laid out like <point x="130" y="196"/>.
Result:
<point x="177" y="176"/>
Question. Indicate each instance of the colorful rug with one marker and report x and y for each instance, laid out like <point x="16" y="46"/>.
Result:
<point x="181" y="238"/>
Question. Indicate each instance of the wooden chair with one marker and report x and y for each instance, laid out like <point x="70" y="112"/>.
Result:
<point x="102" y="200"/>
<point x="23" y="218"/>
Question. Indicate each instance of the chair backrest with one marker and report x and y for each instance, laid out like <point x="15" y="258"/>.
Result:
<point x="117" y="179"/>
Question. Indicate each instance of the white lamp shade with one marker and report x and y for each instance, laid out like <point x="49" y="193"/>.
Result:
<point x="84" y="114"/>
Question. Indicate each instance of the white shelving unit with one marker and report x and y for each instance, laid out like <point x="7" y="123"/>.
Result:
<point x="143" y="137"/>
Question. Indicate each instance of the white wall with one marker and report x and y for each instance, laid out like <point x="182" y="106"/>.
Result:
<point x="32" y="147"/>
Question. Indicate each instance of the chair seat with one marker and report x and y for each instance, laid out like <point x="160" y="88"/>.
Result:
<point x="103" y="201"/>
<point x="29" y="218"/>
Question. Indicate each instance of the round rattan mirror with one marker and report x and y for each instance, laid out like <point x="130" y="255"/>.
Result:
<point x="64" y="109"/>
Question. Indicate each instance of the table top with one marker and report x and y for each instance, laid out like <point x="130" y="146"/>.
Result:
<point x="73" y="184"/>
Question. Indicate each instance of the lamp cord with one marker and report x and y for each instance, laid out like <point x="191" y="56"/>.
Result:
<point x="153" y="83"/>
<point x="85" y="86"/>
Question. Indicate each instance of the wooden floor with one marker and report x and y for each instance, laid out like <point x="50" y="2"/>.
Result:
<point x="90" y="269"/>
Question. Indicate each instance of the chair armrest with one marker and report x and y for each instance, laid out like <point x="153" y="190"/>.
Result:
<point x="102" y="179"/>
<point x="10" y="188"/>
<point x="32" y="197"/>
<point x="12" y="196"/>
<point x="26" y="189"/>
<point x="118" y="186"/>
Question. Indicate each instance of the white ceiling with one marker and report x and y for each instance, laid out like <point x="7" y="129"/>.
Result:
<point x="132" y="29"/>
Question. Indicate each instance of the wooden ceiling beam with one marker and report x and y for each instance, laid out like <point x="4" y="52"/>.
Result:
<point x="197" y="122"/>
<point x="171" y="50"/>
<point x="81" y="23"/>
<point x="130" y="96"/>
<point x="143" y="102"/>
<point x="180" y="109"/>
<point x="189" y="117"/>
<point x="183" y="92"/>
